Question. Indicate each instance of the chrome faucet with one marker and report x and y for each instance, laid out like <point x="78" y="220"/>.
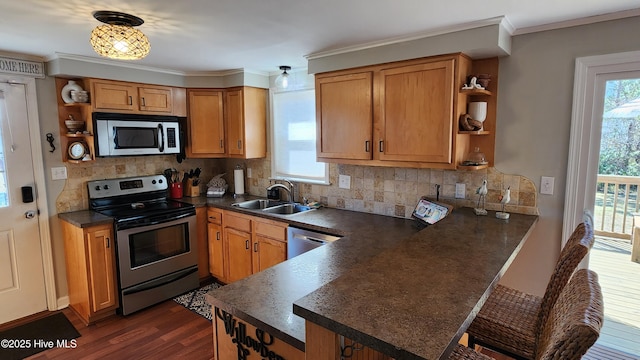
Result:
<point x="290" y="189"/>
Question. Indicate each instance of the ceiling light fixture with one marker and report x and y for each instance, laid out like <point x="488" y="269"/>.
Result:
<point x="282" y="81"/>
<point x="118" y="39"/>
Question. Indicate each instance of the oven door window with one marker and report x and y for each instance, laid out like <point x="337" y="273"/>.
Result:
<point x="136" y="137"/>
<point x="159" y="244"/>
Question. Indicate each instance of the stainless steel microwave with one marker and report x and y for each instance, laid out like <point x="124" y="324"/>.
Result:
<point x="126" y="135"/>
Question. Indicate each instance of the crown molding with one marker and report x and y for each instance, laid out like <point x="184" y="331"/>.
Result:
<point x="500" y="20"/>
<point x="578" y="22"/>
<point x="99" y="61"/>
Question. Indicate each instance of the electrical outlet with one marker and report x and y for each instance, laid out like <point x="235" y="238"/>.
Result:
<point x="460" y="190"/>
<point x="546" y="185"/>
<point x="344" y="182"/>
<point x="58" y="173"/>
<point x="249" y="173"/>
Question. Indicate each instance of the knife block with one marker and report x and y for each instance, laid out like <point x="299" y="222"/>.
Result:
<point x="190" y="190"/>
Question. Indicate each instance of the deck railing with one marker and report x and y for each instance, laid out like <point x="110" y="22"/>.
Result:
<point x="616" y="202"/>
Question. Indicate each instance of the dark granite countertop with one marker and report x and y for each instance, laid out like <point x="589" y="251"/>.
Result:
<point x="266" y="299"/>
<point x="415" y="301"/>
<point x="85" y="218"/>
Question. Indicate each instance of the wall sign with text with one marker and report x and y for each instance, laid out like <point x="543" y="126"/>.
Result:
<point x="21" y="67"/>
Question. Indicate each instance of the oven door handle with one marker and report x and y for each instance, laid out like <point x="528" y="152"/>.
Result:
<point x="160" y="282"/>
<point x="161" y="135"/>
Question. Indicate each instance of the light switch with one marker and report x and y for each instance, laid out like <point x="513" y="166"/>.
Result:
<point x="546" y="185"/>
<point x="58" y="173"/>
<point x="344" y="182"/>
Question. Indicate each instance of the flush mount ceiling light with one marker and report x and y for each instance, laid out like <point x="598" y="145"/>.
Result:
<point x="118" y="39"/>
<point x="282" y="81"/>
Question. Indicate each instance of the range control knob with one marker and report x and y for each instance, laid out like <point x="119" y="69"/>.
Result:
<point x="153" y="182"/>
<point x="106" y="187"/>
<point x="160" y="181"/>
<point x="97" y="187"/>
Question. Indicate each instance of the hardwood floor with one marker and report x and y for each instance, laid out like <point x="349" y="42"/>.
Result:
<point x="164" y="331"/>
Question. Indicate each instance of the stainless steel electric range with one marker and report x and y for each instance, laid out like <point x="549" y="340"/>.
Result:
<point x="155" y="239"/>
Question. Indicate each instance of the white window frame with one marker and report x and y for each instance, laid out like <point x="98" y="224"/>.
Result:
<point x="274" y="173"/>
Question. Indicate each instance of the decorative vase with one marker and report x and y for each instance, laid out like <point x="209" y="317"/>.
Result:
<point x="66" y="91"/>
<point x="478" y="111"/>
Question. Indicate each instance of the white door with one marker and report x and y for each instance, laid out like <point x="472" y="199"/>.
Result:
<point x="22" y="285"/>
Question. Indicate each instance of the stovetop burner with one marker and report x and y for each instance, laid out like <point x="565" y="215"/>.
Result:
<point x="136" y="201"/>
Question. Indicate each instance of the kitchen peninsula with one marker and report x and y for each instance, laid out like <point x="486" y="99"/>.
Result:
<point x="397" y="289"/>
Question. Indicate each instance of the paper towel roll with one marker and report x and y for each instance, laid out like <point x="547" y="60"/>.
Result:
<point x="238" y="181"/>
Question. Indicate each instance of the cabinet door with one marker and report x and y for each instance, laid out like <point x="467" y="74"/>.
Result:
<point x="155" y="99"/>
<point x="114" y="96"/>
<point x="268" y="252"/>
<point x="101" y="267"/>
<point x="234" y="108"/>
<point x="239" y="250"/>
<point x="344" y="117"/>
<point x="202" y="241"/>
<point x="216" y="251"/>
<point x="205" y="124"/>
<point x="416" y="112"/>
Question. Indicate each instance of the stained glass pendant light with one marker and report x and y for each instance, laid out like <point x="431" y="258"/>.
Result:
<point x="118" y="39"/>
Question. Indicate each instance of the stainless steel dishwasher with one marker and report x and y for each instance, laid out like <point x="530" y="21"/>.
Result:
<point x="301" y="240"/>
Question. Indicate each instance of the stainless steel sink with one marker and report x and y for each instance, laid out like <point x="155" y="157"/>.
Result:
<point x="287" y="209"/>
<point x="258" y="204"/>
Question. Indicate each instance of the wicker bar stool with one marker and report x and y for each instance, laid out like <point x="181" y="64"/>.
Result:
<point x="510" y="320"/>
<point x="572" y="327"/>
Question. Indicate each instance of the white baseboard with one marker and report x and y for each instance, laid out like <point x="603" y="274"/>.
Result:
<point x="63" y="302"/>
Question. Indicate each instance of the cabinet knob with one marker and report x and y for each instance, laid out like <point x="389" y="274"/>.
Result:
<point x="108" y="242"/>
<point x="381" y="145"/>
<point x="246" y="244"/>
<point x="255" y="247"/>
<point x="218" y="235"/>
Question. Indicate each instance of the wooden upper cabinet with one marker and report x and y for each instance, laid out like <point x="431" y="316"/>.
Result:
<point x="246" y="115"/>
<point x="416" y="112"/>
<point x="205" y="124"/>
<point x="120" y="96"/>
<point x="235" y="124"/>
<point x="404" y="113"/>
<point x="344" y="115"/>
<point x="155" y="99"/>
<point x="111" y="95"/>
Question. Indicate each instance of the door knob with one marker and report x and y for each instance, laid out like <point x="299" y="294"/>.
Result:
<point x="30" y="214"/>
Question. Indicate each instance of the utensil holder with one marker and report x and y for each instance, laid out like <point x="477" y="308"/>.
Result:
<point x="175" y="190"/>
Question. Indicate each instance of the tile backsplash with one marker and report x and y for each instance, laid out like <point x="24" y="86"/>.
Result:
<point x="75" y="197"/>
<point x="395" y="191"/>
<point x="379" y="190"/>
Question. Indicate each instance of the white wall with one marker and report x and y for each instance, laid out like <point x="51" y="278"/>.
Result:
<point x="534" y="119"/>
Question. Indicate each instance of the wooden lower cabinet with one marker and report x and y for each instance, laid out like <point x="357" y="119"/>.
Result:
<point x="234" y="338"/>
<point x="241" y="245"/>
<point x="269" y="244"/>
<point x="268" y="252"/>
<point x="216" y="245"/>
<point x="91" y="270"/>
<point x="321" y="343"/>
<point x="239" y="253"/>
<point x="202" y="240"/>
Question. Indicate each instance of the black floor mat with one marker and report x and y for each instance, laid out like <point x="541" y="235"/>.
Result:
<point x="25" y="340"/>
